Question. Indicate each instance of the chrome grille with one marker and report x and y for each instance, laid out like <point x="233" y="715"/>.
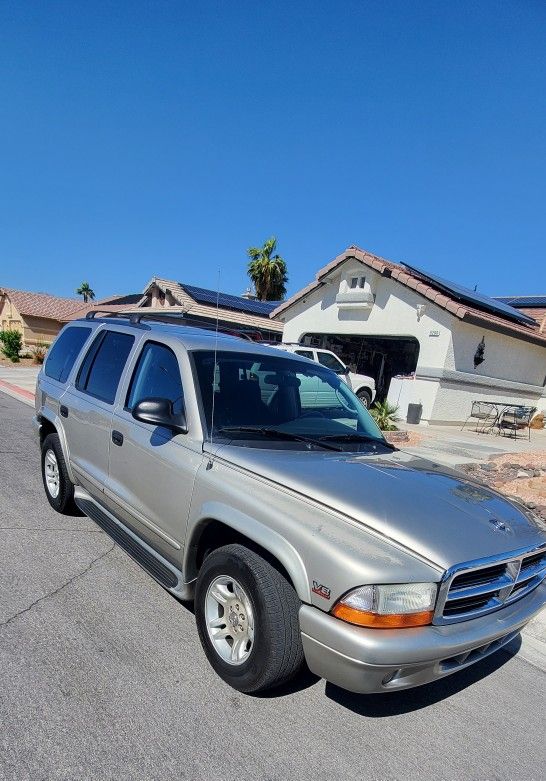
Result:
<point x="475" y="588"/>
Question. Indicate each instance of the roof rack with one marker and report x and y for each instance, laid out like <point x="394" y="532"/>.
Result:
<point x="174" y="318"/>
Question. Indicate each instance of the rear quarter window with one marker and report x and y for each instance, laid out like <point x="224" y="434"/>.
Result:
<point x="62" y="356"/>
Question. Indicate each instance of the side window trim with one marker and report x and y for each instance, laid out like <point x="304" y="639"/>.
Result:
<point x="83" y="373"/>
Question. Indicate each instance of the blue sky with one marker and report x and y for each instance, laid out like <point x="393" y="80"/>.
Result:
<point x="141" y="138"/>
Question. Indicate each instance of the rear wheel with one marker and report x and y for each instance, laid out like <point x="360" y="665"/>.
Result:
<point x="247" y="619"/>
<point x="57" y="484"/>
<point x="365" y="398"/>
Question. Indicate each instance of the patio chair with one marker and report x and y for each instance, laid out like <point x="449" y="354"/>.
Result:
<point x="485" y="413"/>
<point x="514" y="419"/>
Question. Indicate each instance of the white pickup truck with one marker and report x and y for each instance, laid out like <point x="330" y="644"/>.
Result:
<point x="363" y="386"/>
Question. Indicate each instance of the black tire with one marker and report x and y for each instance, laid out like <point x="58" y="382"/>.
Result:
<point x="276" y="653"/>
<point x="365" y="398"/>
<point x="63" y="502"/>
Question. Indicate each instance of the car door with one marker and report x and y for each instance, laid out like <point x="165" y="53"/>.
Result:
<point x="152" y="470"/>
<point x="87" y="406"/>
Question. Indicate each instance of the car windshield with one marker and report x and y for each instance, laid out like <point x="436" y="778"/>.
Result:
<point x="258" y="397"/>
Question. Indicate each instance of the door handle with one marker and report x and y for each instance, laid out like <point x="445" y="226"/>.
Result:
<point x="117" y="437"/>
<point x="64" y="411"/>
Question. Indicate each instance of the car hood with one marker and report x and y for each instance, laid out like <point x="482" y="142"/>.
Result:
<point x="429" y="509"/>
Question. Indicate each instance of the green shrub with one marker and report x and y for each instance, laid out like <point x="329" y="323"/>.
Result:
<point x="39" y="352"/>
<point x="385" y="415"/>
<point x="11" y="344"/>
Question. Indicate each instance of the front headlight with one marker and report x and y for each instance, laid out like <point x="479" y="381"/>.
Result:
<point x="388" y="606"/>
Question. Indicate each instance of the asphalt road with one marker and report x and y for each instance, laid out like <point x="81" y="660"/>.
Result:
<point x="102" y="677"/>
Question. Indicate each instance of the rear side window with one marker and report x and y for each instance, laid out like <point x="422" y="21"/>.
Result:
<point x="62" y="356"/>
<point x="103" y="365"/>
<point x="304" y="353"/>
<point x="157" y="375"/>
<point x="330" y="361"/>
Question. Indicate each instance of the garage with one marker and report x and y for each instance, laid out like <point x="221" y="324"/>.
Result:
<point x="380" y="357"/>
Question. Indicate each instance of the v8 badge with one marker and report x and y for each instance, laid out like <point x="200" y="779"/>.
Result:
<point x="321" y="590"/>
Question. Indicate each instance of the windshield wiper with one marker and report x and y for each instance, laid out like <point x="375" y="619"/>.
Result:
<point x="357" y="438"/>
<point x="265" y="431"/>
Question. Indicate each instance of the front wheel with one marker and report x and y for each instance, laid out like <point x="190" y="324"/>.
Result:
<point x="247" y="619"/>
<point x="365" y="398"/>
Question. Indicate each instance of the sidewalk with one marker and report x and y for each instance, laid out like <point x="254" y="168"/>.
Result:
<point x="19" y="382"/>
<point x="449" y="446"/>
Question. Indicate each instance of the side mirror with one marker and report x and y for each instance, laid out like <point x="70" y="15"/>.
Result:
<point x="159" y="412"/>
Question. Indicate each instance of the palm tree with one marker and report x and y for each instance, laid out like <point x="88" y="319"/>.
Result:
<point x="385" y="415"/>
<point x="85" y="291"/>
<point x="267" y="271"/>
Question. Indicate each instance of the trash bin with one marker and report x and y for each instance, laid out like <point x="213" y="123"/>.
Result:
<point x="414" y="413"/>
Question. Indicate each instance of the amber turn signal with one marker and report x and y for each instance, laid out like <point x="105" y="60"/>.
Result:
<point x="379" y="621"/>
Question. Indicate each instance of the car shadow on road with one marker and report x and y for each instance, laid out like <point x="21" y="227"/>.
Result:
<point x="397" y="703"/>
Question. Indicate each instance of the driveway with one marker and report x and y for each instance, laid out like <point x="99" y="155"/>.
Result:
<point x="102" y="677"/>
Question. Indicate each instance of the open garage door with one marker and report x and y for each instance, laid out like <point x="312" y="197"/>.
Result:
<point x="380" y="357"/>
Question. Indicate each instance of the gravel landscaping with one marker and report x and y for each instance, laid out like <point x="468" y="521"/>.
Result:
<point x="521" y="476"/>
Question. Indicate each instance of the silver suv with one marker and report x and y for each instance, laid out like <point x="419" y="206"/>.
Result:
<point x="297" y="530"/>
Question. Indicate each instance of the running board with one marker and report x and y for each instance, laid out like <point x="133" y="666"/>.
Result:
<point x="139" y="550"/>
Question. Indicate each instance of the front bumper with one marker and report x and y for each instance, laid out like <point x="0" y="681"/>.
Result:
<point x="381" y="660"/>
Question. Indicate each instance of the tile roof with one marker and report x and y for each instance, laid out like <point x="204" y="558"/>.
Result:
<point x="403" y="275"/>
<point x="112" y="303"/>
<point x="41" y="304"/>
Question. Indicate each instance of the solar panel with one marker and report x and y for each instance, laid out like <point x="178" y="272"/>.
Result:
<point x="227" y="301"/>
<point x="518" y="301"/>
<point x="467" y="296"/>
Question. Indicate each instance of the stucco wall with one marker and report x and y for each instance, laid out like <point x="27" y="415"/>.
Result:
<point x="40" y="329"/>
<point x="505" y="357"/>
<point x="9" y="316"/>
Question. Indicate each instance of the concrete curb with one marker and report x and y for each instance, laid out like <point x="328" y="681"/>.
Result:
<point x="16" y="392"/>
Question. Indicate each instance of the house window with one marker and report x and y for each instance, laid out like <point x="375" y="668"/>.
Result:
<point x="357" y="282"/>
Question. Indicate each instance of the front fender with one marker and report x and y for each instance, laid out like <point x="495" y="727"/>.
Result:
<point x="262" y="535"/>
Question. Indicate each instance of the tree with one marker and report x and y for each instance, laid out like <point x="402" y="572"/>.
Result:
<point x="267" y="271"/>
<point x="85" y="291"/>
<point x="11" y="344"/>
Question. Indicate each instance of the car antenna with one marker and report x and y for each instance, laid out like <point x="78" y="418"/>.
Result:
<point x="209" y="465"/>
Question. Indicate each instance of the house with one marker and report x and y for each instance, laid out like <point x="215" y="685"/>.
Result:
<point x="38" y="316"/>
<point x="425" y="340"/>
<point x="202" y="307"/>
